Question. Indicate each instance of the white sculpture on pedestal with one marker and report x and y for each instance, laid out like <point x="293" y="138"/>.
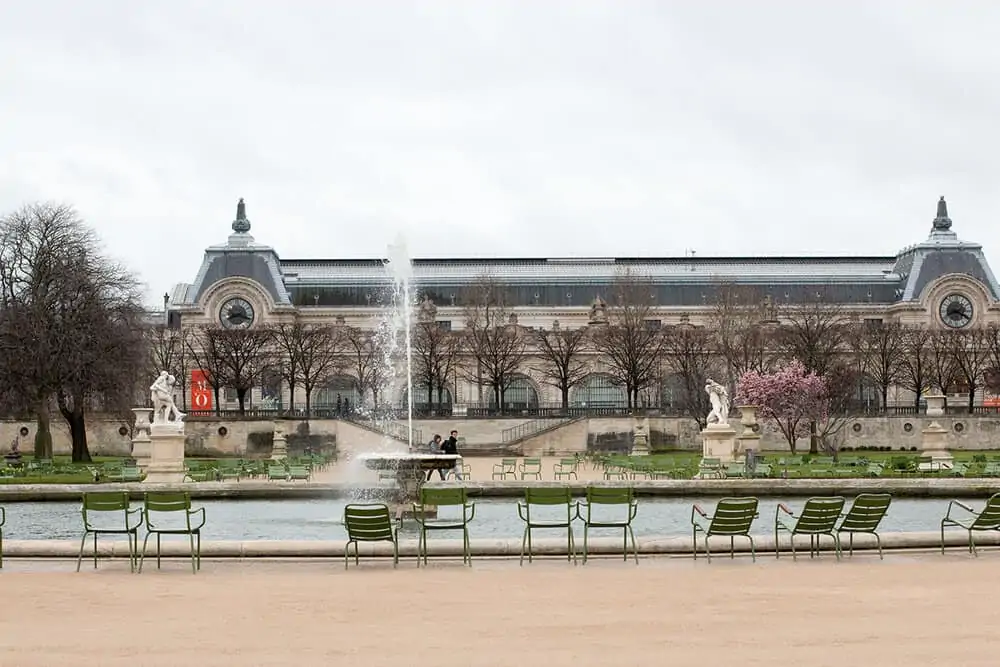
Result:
<point x="719" y="398"/>
<point x="162" y="394"/>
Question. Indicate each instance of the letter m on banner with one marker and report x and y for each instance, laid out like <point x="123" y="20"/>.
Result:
<point x="201" y="391"/>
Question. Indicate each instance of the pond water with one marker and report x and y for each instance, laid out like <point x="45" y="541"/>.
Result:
<point x="495" y="518"/>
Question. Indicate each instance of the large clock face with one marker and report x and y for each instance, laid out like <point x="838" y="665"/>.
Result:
<point x="956" y="311"/>
<point x="236" y="313"/>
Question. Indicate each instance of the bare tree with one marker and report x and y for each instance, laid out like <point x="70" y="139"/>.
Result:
<point x="69" y="322"/>
<point x="234" y="358"/>
<point x="971" y="352"/>
<point x="560" y="355"/>
<point x="493" y="339"/>
<point x="915" y="368"/>
<point x="743" y="319"/>
<point x="166" y="350"/>
<point x="319" y="353"/>
<point x="207" y="353"/>
<point x="992" y="339"/>
<point x="690" y="353"/>
<point x="288" y="341"/>
<point x="944" y="371"/>
<point x="631" y="343"/>
<point x="366" y="354"/>
<point x="435" y="352"/>
<point x="880" y="350"/>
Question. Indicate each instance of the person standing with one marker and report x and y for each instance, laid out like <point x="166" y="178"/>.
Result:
<point x="450" y="446"/>
<point x="435" y="447"/>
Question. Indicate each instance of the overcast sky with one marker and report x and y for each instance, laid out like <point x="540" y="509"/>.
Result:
<point x="533" y="127"/>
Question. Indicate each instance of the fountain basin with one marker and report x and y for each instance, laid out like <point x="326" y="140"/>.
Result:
<point x="409" y="461"/>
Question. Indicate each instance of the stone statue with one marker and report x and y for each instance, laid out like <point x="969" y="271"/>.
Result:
<point x="719" y="398"/>
<point x="598" y="311"/>
<point x="162" y="393"/>
<point x="241" y="225"/>
<point x="241" y="210"/>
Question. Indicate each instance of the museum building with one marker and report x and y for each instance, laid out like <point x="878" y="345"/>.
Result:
<point x="941" y="281"/>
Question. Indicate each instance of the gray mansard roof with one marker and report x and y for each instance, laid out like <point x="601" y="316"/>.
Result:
<point x="680" y="281"/>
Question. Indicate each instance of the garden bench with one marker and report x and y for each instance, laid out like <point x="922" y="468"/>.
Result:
<point x="277" y="473"/>
<point x="299" y="472"/>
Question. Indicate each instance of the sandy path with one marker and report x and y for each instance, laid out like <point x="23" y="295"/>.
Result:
<point x="907" y="610"/>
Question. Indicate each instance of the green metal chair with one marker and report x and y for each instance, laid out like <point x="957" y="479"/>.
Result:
<point x="3" y="520"/>
<point x="531" y="467"/>
<point x="565" y="469"/>
<point x="733" y="518"/>
<point x="819" y="517"/>
<point x="504" y="468"/>
<point x="865" y="515"/>
<point x="162" y="502"/>
<point x="369" y="523"/>
<point x="116" y="502"/>
<point x="605" y="497"/>
<point x="550" y="497"/>
<point x="987" y="519"/>
<point x="444" y="497"/>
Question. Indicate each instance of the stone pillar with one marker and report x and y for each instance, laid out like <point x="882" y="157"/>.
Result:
<point x="166" y="463"/>
<point x="140" y="437"/>
<point x="750" y="437"/>
<point x="934" y="440"/>
<point x="279" y="451"/>
<point x="718" y="441"/>
<point x="640" y="437"/>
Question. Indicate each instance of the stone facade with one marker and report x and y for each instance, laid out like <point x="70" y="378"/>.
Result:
<point x="244" y="283"/>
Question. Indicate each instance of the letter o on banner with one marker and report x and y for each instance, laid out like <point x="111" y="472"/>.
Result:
<point x="201" y="400"/>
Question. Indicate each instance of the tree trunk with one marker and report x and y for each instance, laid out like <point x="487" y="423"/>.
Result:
<point x="885" y="396"/>
<point x="241" y="399"/>
<point x="972" y="398"/>
<point x="565" y="397"/>
<point x="308" y="392"/>
<point x="218" y="403"/>
<point x="291" y="398"/>
<point x="813" y="438"/>
<point x="75" y="418"/>
<point x="43" y="436"/>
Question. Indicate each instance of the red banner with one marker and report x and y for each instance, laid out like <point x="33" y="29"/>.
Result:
<point x="201" y="391"/>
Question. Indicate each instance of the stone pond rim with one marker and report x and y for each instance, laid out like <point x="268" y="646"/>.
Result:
<point x="773" y="488"/>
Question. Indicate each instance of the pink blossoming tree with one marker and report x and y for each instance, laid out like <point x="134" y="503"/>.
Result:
<point x="790" y="397"/>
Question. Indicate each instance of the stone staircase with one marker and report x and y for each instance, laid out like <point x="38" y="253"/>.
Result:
<point x="517" y="435"/>
<point x="391" y="429"/>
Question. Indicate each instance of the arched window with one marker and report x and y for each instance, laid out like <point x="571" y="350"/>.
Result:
<point x="868" y="394"/>
<point x="598" y="391"/>
<point x="520" y="395"/>
<point x="340" y="392"/>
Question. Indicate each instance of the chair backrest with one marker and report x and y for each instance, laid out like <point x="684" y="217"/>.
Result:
<point x="548" y="495"/>
<point x="369" y="522"/>
<point x="990" y="516"/>
<point x="443" y="496"/>
<point x="866" y="512"/>
<point x="510" y="464"/>
<point x="533" y="463"/>
<point x="610" y="495"/>
<point x="733" y="516"/>
<point x="567" y="463"/>
<point x="820" y="514"/>
<point x="167" y="501"/>
<point x="105" y="501"/>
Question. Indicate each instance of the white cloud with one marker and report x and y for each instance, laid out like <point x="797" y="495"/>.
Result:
<point x="503" y="128"/>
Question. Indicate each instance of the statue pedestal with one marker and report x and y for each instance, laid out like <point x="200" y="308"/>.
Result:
<point x="279" y="450"/>
<point x="166" y="463"/>
<point x="718" y="441"/>
<point x="640" y="439"/>
<point x="141" y="444"/>
<point x="934" y="444"/>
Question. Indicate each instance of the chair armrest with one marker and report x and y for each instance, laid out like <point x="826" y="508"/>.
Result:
<point x="953" y="503"/>
<point x="200" y="510"/>
<point x="472" y="513"/>
<point x="782" y="507"/>
<point x="697" y="510"/>
<point x="3" y="516"/>
<point x="520" y="510"/>
<point x="633" y="509"/>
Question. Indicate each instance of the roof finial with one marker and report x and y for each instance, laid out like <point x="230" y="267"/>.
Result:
<point x="942" y="221"/>
<point x="241" y="225"/>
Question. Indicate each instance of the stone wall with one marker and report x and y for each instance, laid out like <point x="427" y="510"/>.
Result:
<point x="253" y="438"/>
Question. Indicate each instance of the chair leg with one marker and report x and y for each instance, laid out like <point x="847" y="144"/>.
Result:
<point x="878" y="543"/>
<point x="732" y="547"/>
<point x="572" y="545"/>
<point x="347" y="550"/>
<point x="777" y="550"/>
<point x="95" y="551"/>
<point x="142" y="554"/>
<point x="395" y="553"/>
<point x="694" y="542"/>
<point x="708" y="552"/>
<point x="753" y="553"/>
<point x="586" y="530"/>
<point x="942" y="538"/>
<point x="972" y="545"/>
<point x="158" y="550"/>
<point x="531" y="554"/>
<point x="466" y="547"/>
<point x="197" y="541"/>
<point x="524" y="540"/>
<point x="791" y="542"/>
<point x="79" y="558"/>
<point x="635" y="547"/>
<point x="194" y="563"/>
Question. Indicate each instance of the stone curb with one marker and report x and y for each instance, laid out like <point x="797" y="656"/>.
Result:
<point x="678" y="546"/>
<point x="255" y="489"/>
